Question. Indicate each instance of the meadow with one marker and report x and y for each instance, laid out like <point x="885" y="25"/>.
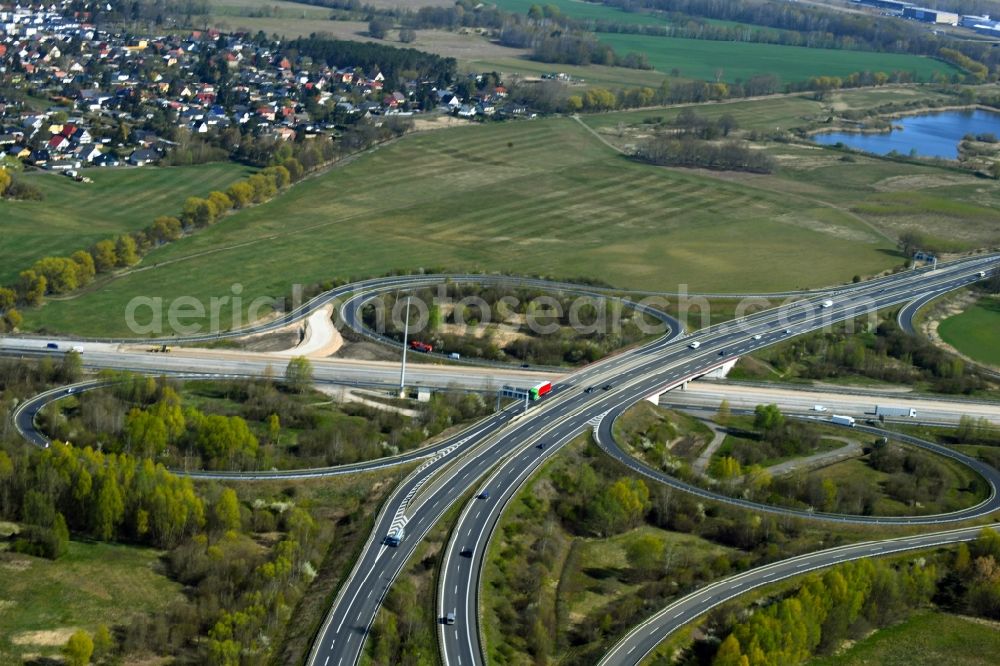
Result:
<point x="732" y="61"/>
<point x="585" y="11"/>
<point x="926" y="639"/>
<point x="74" y="215"/>
<point x="42" y="602"/>
<point x="533" y="197"/>
<point x="974" y="331"/>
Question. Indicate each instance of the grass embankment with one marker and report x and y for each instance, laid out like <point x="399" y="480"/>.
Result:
<point x="974" y="331"/>
<point x="42" y="602"/>
<point x="74" y="215"/>
<point x="926" y="639"/>
<point x="704" y="59"/>
<point x="659" y="435"/>
<point x="536" y="197"/>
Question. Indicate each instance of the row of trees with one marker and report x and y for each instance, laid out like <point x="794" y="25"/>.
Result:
<point x="62" y="275"/>
<point x="690" y="152"/>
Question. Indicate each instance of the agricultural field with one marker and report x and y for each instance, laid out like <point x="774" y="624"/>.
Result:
<point x="974" y="331"/>
<point x="925" y="639"/>
<point x="534" y="197"/>
<point x="731" y="61"/>
<point x="585" y="11"/>
<point x="75" y="215"/>
<point x="42" y="601"/>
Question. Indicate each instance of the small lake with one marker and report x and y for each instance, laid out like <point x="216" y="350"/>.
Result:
<point x="930" y="134"/>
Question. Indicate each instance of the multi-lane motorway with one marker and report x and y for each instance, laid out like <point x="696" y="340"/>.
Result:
<point x="638" y="375"/>
<point x="498" y="454"/>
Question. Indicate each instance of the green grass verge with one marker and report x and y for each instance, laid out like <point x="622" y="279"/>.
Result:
<point x="974" y="331"/>
<point x="704" y="59"/>
<point x="925" y="639"/>
<point x="42" y="602"/>
<point x="75" y="215"/>
<point x="531" y="197"/>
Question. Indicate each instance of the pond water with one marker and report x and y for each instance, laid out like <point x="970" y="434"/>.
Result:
<point x="930" y="134"/>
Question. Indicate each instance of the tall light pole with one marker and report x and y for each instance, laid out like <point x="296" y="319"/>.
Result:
<point x="406" y="332"/>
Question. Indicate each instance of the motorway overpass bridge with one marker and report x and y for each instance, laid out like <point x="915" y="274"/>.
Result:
<point x="501" y="452"/>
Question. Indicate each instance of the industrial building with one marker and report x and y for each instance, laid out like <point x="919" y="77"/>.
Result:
<point x="894" y="6"/>
<point x="930" y="15"/>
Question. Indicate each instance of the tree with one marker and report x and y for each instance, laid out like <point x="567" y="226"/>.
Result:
<point x="60" y="534"/>
<point x="377" y="28"/>
<point x="71" y="367"/>
<point x="125" y="249"/>
<point x="768" y="419"/>
<point x="145" y="433"/>
<point x="724" y="414"/>
<point x="85" y="268"/>
<point x="109" y="510"/>
<point x="5" y="181"/>
<point x="221" y="201"/>
<point x="60" y="273"/>
<point x="78" y="649"/>
<point x="8" y="298"/>
<point x="407" y="35"/>
<point x="241" y="193"/>
<point x="729" y="653"/>
<point x="199" y="212"/>
<point x="103" y="641"/>
<point x="645" y="553"/>
<point x="227" y="511"/>
<point x="299" y="374"/>
<point x="273" y="428"/>
<point x="30" y="287"/>
<point x="165" y="229"/>
<point x="105" y="256"/>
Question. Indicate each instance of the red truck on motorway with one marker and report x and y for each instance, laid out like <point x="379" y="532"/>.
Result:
<point x="421" y="346"/>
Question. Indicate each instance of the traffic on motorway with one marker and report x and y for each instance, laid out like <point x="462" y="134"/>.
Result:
<point x="486" y="464"/>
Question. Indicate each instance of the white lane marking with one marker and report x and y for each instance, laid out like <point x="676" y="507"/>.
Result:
<point x="360" y="587"/>
<point x="456" y="593"/>
<point x="633" y="649"/>
<point x="678" y="615"/>
<point x="327" y="659"/>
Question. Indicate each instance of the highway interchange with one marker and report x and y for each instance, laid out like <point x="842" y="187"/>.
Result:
<point x="499" y="453"/>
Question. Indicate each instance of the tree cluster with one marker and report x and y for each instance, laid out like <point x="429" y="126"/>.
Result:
<point x="392" y="62"/>
<point x="887" y="353"/>
<point x="605" y="325"/>
<point x="686" y="151"/>
<point x="845" y="602"/>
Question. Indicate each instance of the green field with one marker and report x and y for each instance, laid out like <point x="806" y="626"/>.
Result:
<point x="75" y="215"/>
<point x="974" y="332"/>
<point x="703" y="59"/>
<point x="926" y="639"/>
<point x="584" y="11"/>
<point x="541" y="196"/>
<point x="42" y="601"/>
